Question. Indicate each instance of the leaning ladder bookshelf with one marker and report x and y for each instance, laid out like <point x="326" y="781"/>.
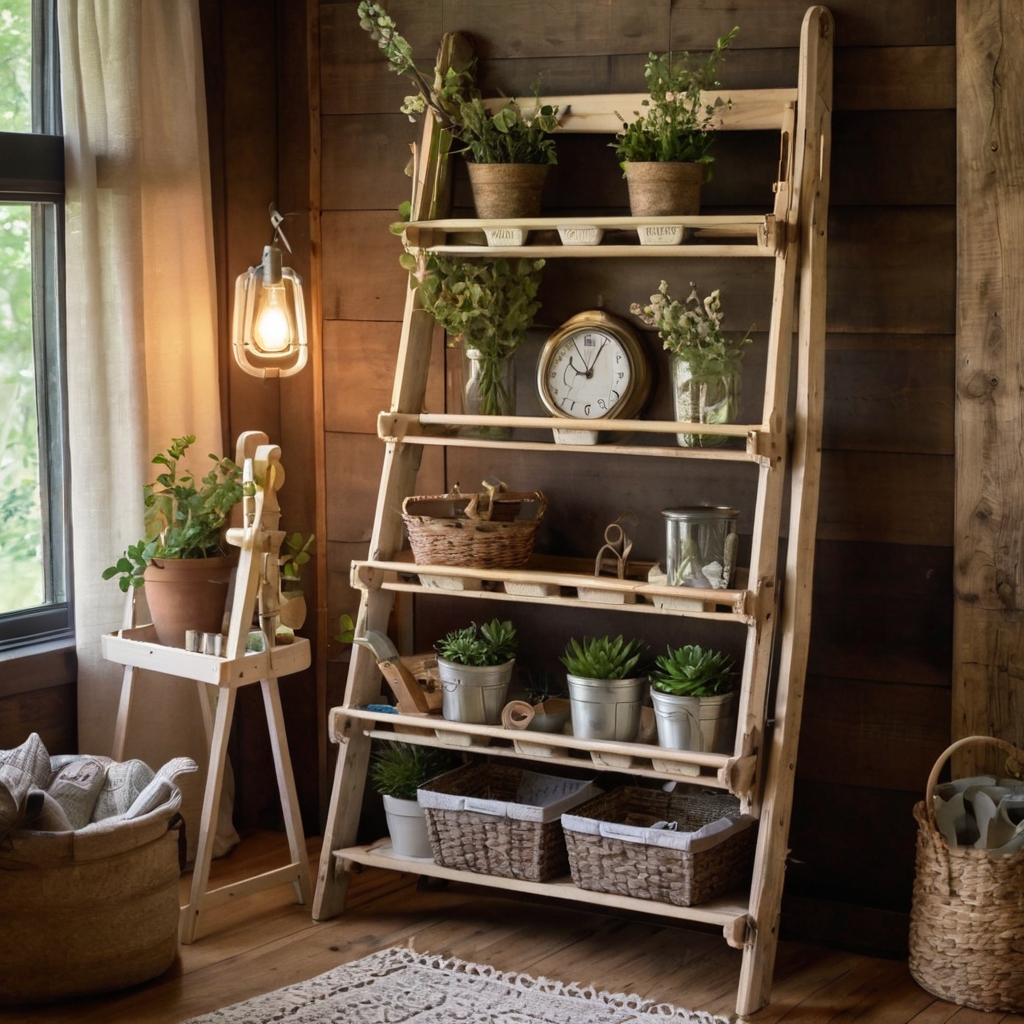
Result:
<point x="773" y="606"/>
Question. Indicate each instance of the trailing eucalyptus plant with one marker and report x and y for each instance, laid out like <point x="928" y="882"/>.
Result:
<point x="506" y="136"/>
<point x="487" y="303"/>
<point x="693" y="671"/>
<point x="675" y="125"/>
<point x="603" y="657"/>
<point x="182" y="520"/>
<point x="693" y="331"/>
<point x="493" y="643"/>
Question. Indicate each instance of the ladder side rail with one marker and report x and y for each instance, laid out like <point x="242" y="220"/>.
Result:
<point x="813" y="139"/>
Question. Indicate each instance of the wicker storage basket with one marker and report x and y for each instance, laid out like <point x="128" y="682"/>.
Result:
<point x="482" y="531"/>
<point x="613" y="846"/>
<point x="503" y="821"/>
<point x="967" y="915"/>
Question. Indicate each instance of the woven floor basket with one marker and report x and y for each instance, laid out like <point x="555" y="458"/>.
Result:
<point x="473" y="531"/>
<point x="488" y="844"/>
<point x="602" y="863"/>
<point x="967" y="916"/>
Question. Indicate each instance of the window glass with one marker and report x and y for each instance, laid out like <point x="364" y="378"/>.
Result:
<point x="16" y="77"/>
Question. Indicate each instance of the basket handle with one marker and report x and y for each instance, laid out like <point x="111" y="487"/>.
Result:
<point x="933" y="778"/>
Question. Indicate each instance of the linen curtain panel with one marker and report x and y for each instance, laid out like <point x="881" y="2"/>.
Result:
<point x="141" y="330"/>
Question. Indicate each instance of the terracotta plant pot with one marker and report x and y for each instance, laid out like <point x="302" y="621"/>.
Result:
<point x="507" y="190"/>
<point x="664" y="189"/>
<point x="187" y="593"/>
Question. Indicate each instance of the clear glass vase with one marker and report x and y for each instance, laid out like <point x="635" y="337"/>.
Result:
<point x="703" y="398"/>
<point x="488" y="389"/>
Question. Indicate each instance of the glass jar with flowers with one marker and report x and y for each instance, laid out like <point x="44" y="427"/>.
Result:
<point x="705" y="360"/>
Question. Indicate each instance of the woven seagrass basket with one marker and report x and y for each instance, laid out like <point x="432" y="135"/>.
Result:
<point x="481" y="531"/>
<point x="483" y="818"/>
<point x="967" y="915"/>
<point x="613" y="846"/>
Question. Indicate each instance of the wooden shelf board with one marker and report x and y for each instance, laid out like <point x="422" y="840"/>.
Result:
<point x="138" y="647"/>
<point x="727" y="912"/>
<point x="687" y="250"/>
<point x="732" y="222"/>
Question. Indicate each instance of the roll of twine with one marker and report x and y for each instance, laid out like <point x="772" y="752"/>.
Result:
<point x="517" y="714"/>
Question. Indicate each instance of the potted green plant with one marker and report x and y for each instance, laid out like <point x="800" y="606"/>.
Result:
<point x="664" y="150"/>
<point x="693" y="693"/>
<point x="474" y="667"/>
<point x="397" y="770"/>
<point x="605" y="693"/>
<point x="508" y="151"/>
<point x="293" y="600"/>
<point x="182" y="559"/>
<point x="487" y="306"/>
<point x="706" y="361"/>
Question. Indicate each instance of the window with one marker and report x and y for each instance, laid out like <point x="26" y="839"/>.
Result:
<point x="34" y="533"/>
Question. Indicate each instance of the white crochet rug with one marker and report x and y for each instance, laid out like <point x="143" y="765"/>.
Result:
<point x="399" y="986"/>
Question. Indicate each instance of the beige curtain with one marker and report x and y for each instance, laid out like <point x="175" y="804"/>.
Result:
<point x="141" y="326"/>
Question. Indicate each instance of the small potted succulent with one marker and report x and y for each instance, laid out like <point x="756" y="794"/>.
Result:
<point x="508" y="151"/>
<point x="694" y="698"/>
<point x="487" y="306"/>
<point x="474" y="667"/>
<point x="664" y="149"/>
<point x="396" y="772"/>
<point x="705" y="360"/>
<point x="182" y="559"/>
<point x="605" y="691"/>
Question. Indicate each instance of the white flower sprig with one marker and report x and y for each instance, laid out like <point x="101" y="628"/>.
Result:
<point x="693" y="330"/>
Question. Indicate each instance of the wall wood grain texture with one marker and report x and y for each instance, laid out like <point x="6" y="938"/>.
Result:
<point x="878" y="690"/>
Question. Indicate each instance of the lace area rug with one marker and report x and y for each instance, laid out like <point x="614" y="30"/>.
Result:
<point x="400" y="986"/>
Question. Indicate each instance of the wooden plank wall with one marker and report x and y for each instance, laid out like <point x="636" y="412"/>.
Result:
<point x="989" y="580"/>
<point x="878" y="696"/>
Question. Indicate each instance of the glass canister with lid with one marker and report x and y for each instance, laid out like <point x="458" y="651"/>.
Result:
<point x="700" y="546"/>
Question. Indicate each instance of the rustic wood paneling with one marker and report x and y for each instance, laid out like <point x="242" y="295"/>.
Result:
<point x="882" y="612"/>
<point x="380" y="139"/>
<point x="988" y="695"/>
<point x="51" y="712"/>
<point x="895" y="78"/>
<point x="362" y="279"/>
<point x="359" y="370"/>
<point x="883" y="735"/>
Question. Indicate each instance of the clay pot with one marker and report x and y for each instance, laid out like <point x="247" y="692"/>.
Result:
<point x="507" y="190"/>
<point x="664" y="189"/>
<point x="187" y="593"/>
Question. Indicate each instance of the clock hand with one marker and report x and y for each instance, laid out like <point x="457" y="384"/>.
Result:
<point x="590" y="368"/>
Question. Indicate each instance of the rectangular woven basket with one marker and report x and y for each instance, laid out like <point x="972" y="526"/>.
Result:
<point x="497" y="820"/>
<point x="619" y="843"/>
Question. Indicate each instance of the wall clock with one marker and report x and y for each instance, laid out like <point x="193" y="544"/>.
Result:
<point x="593" y="367"/>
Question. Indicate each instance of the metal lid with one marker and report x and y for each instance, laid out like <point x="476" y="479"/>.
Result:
<point x="701" y="512"/>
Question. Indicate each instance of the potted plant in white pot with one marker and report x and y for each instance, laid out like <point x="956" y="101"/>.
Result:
<point x="486" y="306"/>
<point x="396" y="772"/>
<point x="706" y="362"/>
<point x="694" y="698"/>
<point x="474" y="667"/>
<point x="664" y="149"/>
<point x="508" y="151"/>
<point x="605" y="693"/>
<point x="182" y="559"/>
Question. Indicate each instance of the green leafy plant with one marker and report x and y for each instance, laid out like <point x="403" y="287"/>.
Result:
<point x="675" y="125"/>
<point x="346" y="630"/>
<point x="508" y="135"/>
<point x="603" y="657"/>
<point x="693" y="671"/>
<point x="489" y="304"/>
<point x="182" y="519"/>
<point x="693" y="330"/>
<point x="493" y="643"/>
<point x="399" y="769"/>
<point x="295" y="557"/>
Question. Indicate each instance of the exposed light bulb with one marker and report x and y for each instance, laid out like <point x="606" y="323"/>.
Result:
<point x="272" y="332"/>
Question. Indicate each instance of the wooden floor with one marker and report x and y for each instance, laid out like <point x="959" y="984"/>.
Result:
<point x="266" y="941"/>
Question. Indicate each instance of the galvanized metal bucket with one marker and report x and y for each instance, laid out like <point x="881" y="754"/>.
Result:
<point x="606" y="709"/>
<point x="473" y="693"/>
<point x="678" y="720"/>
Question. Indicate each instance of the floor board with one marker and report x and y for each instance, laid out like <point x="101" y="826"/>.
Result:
<point x="266" y="941"/>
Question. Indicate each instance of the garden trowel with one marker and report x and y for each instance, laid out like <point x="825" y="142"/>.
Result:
<point x="411" y="699"/>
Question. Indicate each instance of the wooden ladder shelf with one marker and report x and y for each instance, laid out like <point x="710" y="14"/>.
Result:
<point x="760" y="771"/>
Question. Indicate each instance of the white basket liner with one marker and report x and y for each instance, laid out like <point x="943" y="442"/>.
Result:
<point x="539" y="797"/>
<point x="704" y="838"/>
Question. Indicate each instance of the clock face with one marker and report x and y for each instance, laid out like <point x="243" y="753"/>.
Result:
<point x="589" y="374"/>
<point x="593" y="367"/>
